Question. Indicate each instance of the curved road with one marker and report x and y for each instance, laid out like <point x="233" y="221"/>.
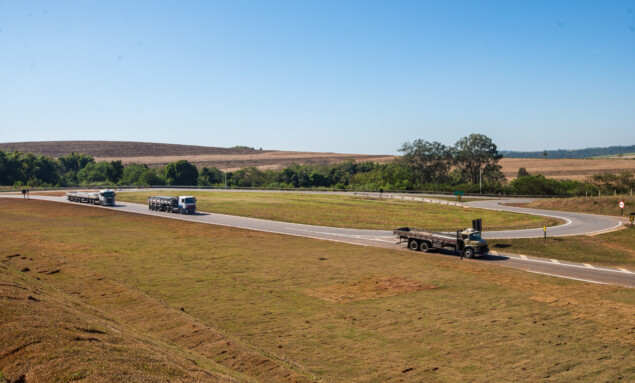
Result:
<point x="576" y="224"/>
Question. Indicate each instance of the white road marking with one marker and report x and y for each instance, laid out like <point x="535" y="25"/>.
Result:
<point x="589" y="266"/>
<point x="556" y="261"/>
<point x="562" y="276"/>
<point x="523" y="256"/>
<point x="624" y="270"/>
<point x="493" y="252"/>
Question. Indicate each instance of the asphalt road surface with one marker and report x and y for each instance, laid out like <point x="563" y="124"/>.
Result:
<point x="575" y="224"/>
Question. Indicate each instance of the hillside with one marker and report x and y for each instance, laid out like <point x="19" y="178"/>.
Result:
<point x="575" y="153"/>
<point x="154" y="154"/>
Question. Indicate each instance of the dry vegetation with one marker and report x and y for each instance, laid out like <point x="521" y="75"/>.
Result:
<point x="268" y="307"/>
<point x="232" y="159"/>
<point x="608" y="205"/>
<point x="572" y="169"/>
<point x="161" y="154"/>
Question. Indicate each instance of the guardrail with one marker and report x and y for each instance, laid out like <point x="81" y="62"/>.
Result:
<point x="180" y="187"/>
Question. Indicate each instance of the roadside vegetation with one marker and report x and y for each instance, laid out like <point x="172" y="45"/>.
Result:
<point x="351" y="211"/>
<point x="288" y="308"/>
<point x="594" y="205"/>
<point x="612" y="249"/>
<point x="471" y="165"/>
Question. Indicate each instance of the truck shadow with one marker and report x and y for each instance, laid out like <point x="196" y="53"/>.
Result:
<point x="487" y="257"/>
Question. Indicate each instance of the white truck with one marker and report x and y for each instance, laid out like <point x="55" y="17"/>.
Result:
<point x="103" y="197"/>
<point x="185" y="204"/>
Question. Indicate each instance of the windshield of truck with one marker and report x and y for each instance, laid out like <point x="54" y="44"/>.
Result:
<point x="475" y="236"/>
<point x="190" y="200"/>
<point x="108" y="194"/>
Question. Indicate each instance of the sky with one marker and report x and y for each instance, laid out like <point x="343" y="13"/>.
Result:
<point x="340" y="76"/>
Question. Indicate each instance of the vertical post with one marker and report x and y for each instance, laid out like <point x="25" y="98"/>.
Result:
<point x="544" y="229"/>
<point x="480" y="177"/>
<point x="226" y="176"/>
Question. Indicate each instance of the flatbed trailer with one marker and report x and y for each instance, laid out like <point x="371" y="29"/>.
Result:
<point x="468" y="242"/>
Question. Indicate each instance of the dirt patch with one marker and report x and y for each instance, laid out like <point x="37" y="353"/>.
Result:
<point x="371" y="287"/>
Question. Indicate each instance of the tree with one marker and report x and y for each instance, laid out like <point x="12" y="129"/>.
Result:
<point x="476" y="153"/>
<point x="522" y="172"/>
<point x="115" y="171"/>
<point x="428" y="161"/>
<point x="210" y="176"/>
<point x="75" y="161"/>
<point x="181" y="173"/>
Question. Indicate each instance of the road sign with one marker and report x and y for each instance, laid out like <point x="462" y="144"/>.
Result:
<point x="621" y="204"/>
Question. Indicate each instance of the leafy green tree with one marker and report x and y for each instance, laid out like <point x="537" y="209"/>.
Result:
<point x="210" y="176"/>
<point x="115" y="171"/>
<point x="429" y="162"/>
<point x="75" y="161"/>
<point x="476" y="153"/>
<point x="181" y="173"/>
<point x="522" y="172"/>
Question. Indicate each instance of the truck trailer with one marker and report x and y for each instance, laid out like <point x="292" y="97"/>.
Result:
<point x="468" y="241"/>
<point x="181" y="204"/>
<point x="102" y="197"/>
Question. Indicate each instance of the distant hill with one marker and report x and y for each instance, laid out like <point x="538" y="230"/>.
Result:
<point x="576" y="153"/>
<point x="154" y="154"/>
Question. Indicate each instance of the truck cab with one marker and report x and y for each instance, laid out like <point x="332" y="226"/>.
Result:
<point x="471" y="242"/>
<point x="107" y="197"/>
<point x="187" y="204"/>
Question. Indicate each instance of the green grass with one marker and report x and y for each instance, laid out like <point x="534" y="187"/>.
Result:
<point x="350" y="211"/>
<point x="479" y="322"/>
<point x="614" y="249"/>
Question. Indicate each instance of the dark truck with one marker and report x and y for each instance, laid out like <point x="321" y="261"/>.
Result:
<point x="181" y="204"/>
<point x="468" y="241"/>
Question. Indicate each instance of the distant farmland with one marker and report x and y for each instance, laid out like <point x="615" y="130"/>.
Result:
<point x="155" y="155"/>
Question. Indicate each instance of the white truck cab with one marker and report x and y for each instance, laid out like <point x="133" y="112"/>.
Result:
<point x="187" y="204"/>
<point x="107" y="197"/>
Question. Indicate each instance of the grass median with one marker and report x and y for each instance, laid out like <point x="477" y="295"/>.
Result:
<point x="322" y="310"/>
<point x="616" y="248"/>
<point x="350" y="211"/>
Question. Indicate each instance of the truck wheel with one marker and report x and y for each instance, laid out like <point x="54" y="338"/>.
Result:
<point x="413" y="245"/>
<point x="468" y="253"/>
<point x="424" y="246"/>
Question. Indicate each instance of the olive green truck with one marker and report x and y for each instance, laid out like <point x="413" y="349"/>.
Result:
<point x="468" y="241"/>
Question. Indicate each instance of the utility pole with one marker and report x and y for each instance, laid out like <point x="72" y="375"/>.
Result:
<point x="480" y="177"/>
<point x="226" y="176"/>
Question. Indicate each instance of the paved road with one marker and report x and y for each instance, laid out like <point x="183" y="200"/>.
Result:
<point x="578" y="223"/>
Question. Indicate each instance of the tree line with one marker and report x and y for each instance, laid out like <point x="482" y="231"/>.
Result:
<point x="470" y="165"/>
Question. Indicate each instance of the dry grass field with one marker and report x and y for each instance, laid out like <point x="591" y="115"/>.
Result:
<point x="572" y="169"/>
<point x="232" y="159"/>
<point x="253" y="306"/>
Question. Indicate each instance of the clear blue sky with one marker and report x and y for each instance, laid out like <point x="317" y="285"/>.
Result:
<point x="342" y="76"/>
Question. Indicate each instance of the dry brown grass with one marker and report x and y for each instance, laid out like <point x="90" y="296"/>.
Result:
<point x="236" y="296"/>
<point x="572" y="169"/>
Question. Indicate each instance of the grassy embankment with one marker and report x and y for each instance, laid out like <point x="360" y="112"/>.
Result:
<point x="615" y="249"/>
<point x="349" y="211"/>
<point x="608" y="205"/>
<point x="303" y="307"/>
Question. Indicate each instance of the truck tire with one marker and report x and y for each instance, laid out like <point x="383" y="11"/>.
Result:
<point x="413" y="245"/>
<point x="424" y="246"/>
<point x="468" y="252"/>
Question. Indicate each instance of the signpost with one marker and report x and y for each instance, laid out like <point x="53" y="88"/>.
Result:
<point x="632" y="218"/>
<point x="458" y="194"/>
<point x="621" y="208"/>
<point x="544" y="229"/>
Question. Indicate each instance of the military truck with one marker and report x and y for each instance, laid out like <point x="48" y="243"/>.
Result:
<point x="468" y="241"/>
<point x="185" y="204"/>
<point x="103" y="197"/>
